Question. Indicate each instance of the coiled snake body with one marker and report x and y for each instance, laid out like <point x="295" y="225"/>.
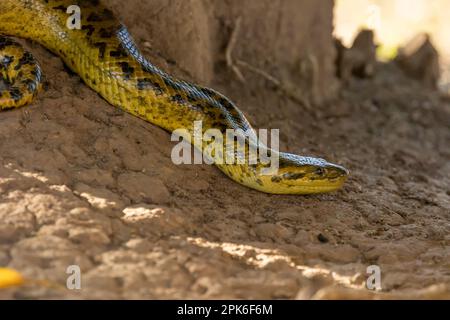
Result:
<point x="104" y="55"/>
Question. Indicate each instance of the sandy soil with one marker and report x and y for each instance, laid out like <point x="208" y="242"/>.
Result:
<point x="84" y="183"/>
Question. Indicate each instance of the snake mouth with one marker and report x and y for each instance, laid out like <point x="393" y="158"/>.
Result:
<point x="309" y="187"/>
<point x="315" y="186"/>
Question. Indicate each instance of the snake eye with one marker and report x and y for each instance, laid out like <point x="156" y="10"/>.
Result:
<point x="320" y="171"/>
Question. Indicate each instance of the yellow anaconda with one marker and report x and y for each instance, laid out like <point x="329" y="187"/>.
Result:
<point x="104" y="55"/>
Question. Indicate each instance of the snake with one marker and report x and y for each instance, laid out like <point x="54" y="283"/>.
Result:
<point x="104" y="55"/>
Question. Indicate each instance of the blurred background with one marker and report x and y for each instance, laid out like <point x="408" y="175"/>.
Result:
<point x="395" y="22"/>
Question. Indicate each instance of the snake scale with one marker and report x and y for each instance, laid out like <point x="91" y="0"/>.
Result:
<point x="105" y="56"/>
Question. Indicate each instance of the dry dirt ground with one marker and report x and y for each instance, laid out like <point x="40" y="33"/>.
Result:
<point x="84" y="183"/>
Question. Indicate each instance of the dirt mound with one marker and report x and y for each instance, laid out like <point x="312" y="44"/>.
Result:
<point x="84" y="183"/>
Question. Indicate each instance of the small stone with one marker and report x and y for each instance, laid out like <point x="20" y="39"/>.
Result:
<point x="322" y="238"/>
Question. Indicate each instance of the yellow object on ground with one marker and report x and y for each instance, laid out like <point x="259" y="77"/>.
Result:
<point x="10" y="278"/>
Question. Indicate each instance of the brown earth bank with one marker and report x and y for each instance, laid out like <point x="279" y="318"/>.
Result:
<point x="83" y="183"/>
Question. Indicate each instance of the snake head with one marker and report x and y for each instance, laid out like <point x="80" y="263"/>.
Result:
<point x="304" y="175"/>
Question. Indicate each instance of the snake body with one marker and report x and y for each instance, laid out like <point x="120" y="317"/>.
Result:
<point x="105" y="56"/>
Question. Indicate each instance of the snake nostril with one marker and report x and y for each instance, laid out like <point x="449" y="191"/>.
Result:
<point x="337" y="172"/>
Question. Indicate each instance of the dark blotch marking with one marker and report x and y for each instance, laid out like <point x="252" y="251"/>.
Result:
<point x="141" y="100"/>
<point x="276" y="179"/>
<point x="143" y="84"/>
<point x="118" y="53"/>
<point x="61" y="8"/>
<point x="171" y="84"/>
<point x="90" y="29"/>
<point x="148" y="84"/>
<point x="226" y="104"/>
<point x="105" y="33"/>
<point x="31" y="85"/>
<point x="6" y="42"/>
<point x="208" y="92"/>
<point x="294" y="176"/>
<point x="27" y="58"/>
<point x="15" y="93"/>
<point x="177" y="98"/>
<point x="105" y="15"/>
<point x="94" y="17"/>
<point x="191" y="98"/>
<point x="102" y="48"/>
<point x="126" y="69"/>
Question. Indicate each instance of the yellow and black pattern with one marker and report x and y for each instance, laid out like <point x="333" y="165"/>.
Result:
<point x="104" y="55"/>
<point x="20" y="75"/>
